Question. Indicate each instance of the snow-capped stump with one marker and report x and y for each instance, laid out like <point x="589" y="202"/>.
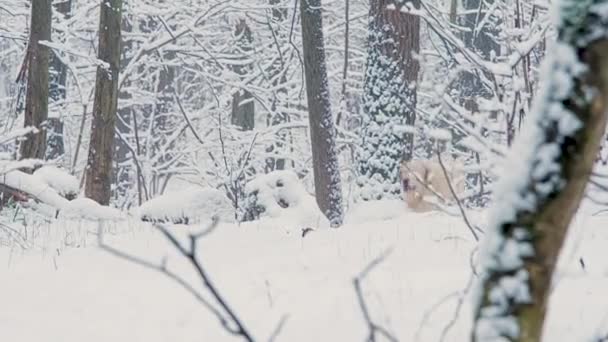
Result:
<point x="59" y="180"/>
<point x="281" y="195"/>
<point x="188" y="206"/>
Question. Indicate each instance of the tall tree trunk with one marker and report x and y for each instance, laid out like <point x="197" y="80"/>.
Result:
<point x="548" y="171"/>
<point x="478" y="39"/>
<point x="389" y="98"/>
<point x="243" y="107"/>
<point x="57" y="93"/>
<point x="278" y="75"/>
<point x="101" y="148"/>
<point x="37" y="98"/>
<point x="322" y="131"/>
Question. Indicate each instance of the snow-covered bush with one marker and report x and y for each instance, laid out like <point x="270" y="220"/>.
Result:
<point x="281" y="195"/>
<point x="64" y="183"/>
<point x="187" y="206"/>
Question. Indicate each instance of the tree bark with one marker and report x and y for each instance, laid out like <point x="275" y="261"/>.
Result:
<point x="554" y="159"/>
<point x="322" y="131"/>
<point x="101" y="148"/>
<point x="37" y="98"/>
<point x="123" y="174"/>
<point x="278" y="75"/>
<point x="243" y="107"/>
<point x="389" y="97"/>
<point x="479" y="40"/>
<point x="57" y="93"/>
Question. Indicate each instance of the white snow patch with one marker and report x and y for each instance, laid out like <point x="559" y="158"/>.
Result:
<point x="88" y="209"/>
<point x="192" y="205"/>
<point x="61" y="181"/>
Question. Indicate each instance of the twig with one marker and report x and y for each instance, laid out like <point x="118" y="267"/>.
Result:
<point x="231" y="323"/>
<point x="162" y="268"/>
<point x="185" y="115"/>
<point x="215" y="220"/>
<point x="15" y="236"/>
<point x="293" y="21"/>
<point x="427" y="315"/>
<point x="345" y="66"/>
<point x="374" y="329"/>
<point x="456" y="314"/>
<point x="278" y="328"/>
<point x="79" y="139"/>
<point x="458" y="202"/>
<point x="190" y="255"/>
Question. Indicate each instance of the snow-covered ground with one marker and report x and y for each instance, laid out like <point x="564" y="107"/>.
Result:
<point x="66" y="289"/>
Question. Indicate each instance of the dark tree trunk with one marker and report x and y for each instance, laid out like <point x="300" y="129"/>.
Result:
<point x="165" y="92"/>
<point x="481" y="41"/>
<point x="243" y="107"/>
<point x="278" y="72"/>
<point x="37" y="98"/>
<point x="322" y="131"/>
<point x="389" y="98"/>
<point x="536" y="205"/>
<point x="101" y="148"/>
<point x="57" y="93"/>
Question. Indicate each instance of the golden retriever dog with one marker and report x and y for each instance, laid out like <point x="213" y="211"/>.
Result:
<point x="424" y="184"/>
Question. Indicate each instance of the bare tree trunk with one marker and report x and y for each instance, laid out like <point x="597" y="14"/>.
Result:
<point x="554" y="157"/>
<point x="278" y="72"/>
<point x="243" y="107"/>
<point x="322" y="131"/>
<point x="101" y="148"/>
<point x="124" y="174"/>
<point x="478" y="39"/>
<point x="57" y="93"/>
<point x="389" y="98"/>
<point x="37" y="98"/>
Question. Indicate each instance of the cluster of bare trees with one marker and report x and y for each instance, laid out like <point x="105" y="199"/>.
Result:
<point x="214" y="92"/>
<point x="40" y="66"/>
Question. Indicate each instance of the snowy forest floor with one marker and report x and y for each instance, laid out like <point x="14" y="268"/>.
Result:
<point x="66" y="289"/>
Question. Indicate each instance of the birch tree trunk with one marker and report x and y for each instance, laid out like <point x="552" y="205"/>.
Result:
<point x="101" y="149"/>
<point x="554" y="157"/>
<point x="37" y="98"/>
<point x="328" y="189"/>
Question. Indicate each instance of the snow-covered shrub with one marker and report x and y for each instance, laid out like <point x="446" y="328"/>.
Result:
<point x="281" y="195"/>
<point x="187" y="206"/>
<point x="34" y="188"/>
<point x="64" y="183"/>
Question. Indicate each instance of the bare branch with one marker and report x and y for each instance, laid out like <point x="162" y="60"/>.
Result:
<point x="374" y="328"/>
<point x="239" y="328"/>
<point x="458" y="202"/>
<point x="278" y="328"/>
<point x="231" y="323"/>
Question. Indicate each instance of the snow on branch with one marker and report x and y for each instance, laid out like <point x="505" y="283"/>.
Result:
<point x="544" y="179"/>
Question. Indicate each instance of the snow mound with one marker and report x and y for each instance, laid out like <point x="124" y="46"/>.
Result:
<point x="187" y="206"/>
<point x="381" y="210"/>
<point x="88" y="209"/>
<point x="281" y="195"/>
<point x="64" y="183"/>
